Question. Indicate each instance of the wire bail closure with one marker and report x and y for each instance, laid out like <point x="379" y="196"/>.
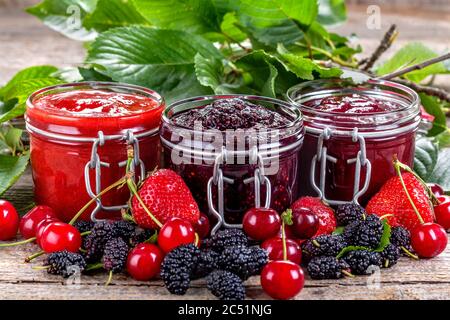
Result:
<point x="96" y="164"/>
<point x="322" y="157"/>
<point x="218" y="180"/>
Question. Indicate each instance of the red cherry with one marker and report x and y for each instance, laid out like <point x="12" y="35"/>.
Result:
<point x="442" y="212"/>
<point x="202" y="226"/>
<point x="174" y="233"/>
<point x="282" y="279"/>
<point x="274" y="248"/>
<point x="261" y="224"/>
<point x="30" y="220"/>
<point x="41" y="226"/>
<point x="305" y="223"/>
<point x="428" y="240"/>
<point x="59" y="236"/>
<point x="436" y="189"/>
<point x="144" y="261"/>
<point x="9" y="221"/>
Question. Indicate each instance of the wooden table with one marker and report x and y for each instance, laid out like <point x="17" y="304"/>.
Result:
<point x="409" y="279"/>
<point x="32" y="43"/>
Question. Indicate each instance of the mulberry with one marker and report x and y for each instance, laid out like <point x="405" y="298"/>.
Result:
<point x="226" y="285"/>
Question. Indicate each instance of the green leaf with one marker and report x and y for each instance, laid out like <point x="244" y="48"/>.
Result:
<point x="27" y="74"/>
<point x="112" y="14"/>
<point x="441" y="172"/>
<point x="11" y="168"/>
<point x="195" y="16"/>
<point x="68" y="74"/>
<point x="305" y="68"/>
<point x="267" y="22"/>
<point x="66" y="17"/>
<point x="303" y="11"/>
<point x="443" y="139"/>
<point x="332" y="12"/>
<point x="210" y="73"/>
<point x="425" y="158"/>
<point x="159" y="59"/>
<point x="20" y="93"/>
<point x="90" y="74"/>
<point x="230" y="29"/>
<point x="385" y="237"/>
<point x="262" y="70"/>
<point x="12" y="138"/>
<point x="411" y="54"/>
<point x="338" y="230"/>
<point x="348" y="249"/>
<point x="433" y="106"/>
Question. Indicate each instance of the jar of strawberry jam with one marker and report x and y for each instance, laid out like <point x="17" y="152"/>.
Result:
<point x="79" y="137"/>
<point x="234" y="152"/>
<point x="353" y="133"/>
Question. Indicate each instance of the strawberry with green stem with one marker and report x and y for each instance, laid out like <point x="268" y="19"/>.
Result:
<point x="428" y="239"/>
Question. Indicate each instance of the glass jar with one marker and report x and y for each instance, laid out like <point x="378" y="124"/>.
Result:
<point x="230" y="171"/>
<point x="79" y="136"/>
<point x="347" y="155"/>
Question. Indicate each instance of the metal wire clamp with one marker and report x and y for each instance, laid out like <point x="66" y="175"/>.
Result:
<point x="322" y="157"/>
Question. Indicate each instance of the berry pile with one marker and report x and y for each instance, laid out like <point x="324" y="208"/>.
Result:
<point x="226" y="259"/>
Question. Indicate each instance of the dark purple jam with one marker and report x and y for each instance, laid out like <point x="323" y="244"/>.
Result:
<point x="226" y="114"/>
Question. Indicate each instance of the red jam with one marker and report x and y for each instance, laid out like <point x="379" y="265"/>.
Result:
<point x="219" y="116"/>
<point x="63" y="122"/>
<point x="385" y="115"/>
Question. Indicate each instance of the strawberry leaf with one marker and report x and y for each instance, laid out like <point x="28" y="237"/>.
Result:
<point x="11" y="168"/>
<point x="385" y="238"/>
<point x="348" y="249"/>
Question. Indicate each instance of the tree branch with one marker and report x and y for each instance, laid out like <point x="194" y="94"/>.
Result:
<point x="418" y="66"/>
<point x="385" y="44"/>
<point x="432" y="91"/>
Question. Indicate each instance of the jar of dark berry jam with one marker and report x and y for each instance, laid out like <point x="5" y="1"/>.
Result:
<point x="234" y="152"/>
<point x="353" y="132"/>
<point x="79" y="138"/>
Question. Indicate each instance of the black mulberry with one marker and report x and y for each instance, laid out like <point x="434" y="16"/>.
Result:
<point x="365" y="233"/>
<point x="115" y="255"/>
<point x="226" y="285"/>
<point x="94" y="243"/>
<point x="390" y="255"/>
<point x="177" y="267"/>
<point x="348" y="213"/>
<point x="83" y="226"/>
<point x="400" y="236"/>
<point x="360" y="261"/>
<point x="328" y="245"/>
<point x="207" y="262"/>
<point x="123" y="229"/>
<point x="227" y="238"/>
<point x="326" y="268"/>
<point x="65" y="263"/>
<point x="243" y="261"/>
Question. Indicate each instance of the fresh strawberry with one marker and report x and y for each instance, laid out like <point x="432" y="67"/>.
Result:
<point x="393" y="200"/>
<point x="327" y="220"/>
<point x="166" y="196"/>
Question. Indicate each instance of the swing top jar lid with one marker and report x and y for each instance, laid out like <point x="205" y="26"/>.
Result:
<point x="373" y="106"/>
<point x="85" y="108"/>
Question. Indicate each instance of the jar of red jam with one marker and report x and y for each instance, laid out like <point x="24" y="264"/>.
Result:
<point x="353" y="133"/>
<point x="234" y="152"/>
<point x="79" y="137"/>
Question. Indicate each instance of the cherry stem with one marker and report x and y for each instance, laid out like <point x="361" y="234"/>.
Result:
<point x="118" y="184"/>
<point x="108" y="282"/>
<point x="86" y="233"/>
<point x="12" y="244"/>
<point x="197" y="239"/>
<point x="94" y="266"/>
<point x="409" y="253"/>
<point x="399" y="173"/>
<point x="348" y="274"/>
<point x="34" y="256"/>
<point x="386" y="216"/>
<point x="133" y="188"/>
<point x="40" y="267"/>
<point x="283" y="237"/>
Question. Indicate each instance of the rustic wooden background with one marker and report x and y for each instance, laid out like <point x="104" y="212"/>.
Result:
<point x="24" y="41"/>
